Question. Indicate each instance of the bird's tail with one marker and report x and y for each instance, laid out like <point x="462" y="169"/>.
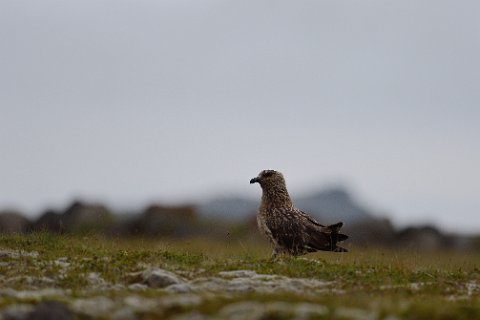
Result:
<point x="336" y="237"/>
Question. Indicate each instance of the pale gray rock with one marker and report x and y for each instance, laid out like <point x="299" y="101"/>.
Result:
<point x="15" y="254"/>
<point x="32" y="294"/>
<point x="238" y="274"/>
<point x="93" y="307"/>
<point x="179" y="288"/>
<point x="124" y="314"/>
<point x="62" y="262"/>
<point x="252" y="310"/>
<point x="182" y="300"/>
<point x="140" y="304"/>
<point x="194" y="315"/>
<point x="32" y="281"/>
<point x="247" y="310"/>
<point x="246" y="281"/>
<point x="209" y="284"/>
<point x="94" y="279"/>
<point x="355" y="314"/>
<point x="138" y="286"/>
<point x="472" y="288"/>
<point x="116" y="286"/>
<point x="16" y="312"/>
<point x="46" y="281"/>
<point x="159" y="278"/>
<point x="310" y="310"/>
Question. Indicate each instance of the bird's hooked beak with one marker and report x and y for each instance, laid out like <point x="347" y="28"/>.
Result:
<point x="254" y="180"/>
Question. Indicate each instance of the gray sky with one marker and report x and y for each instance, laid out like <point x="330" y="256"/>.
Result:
<point x="134" y="101"/>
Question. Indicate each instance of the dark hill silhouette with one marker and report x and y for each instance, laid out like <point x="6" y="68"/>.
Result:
<point x="12" y="221"/>
<point x="229" y="207"/>
<point x="334" y="204"/>
<point x="328" y="205"/>
<point x="78" y="216"/>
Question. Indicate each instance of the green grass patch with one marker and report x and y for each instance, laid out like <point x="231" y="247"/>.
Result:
<point x="405" y="284"/>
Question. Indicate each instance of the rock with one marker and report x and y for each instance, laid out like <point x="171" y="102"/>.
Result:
<point x="117" y="286"/>
<point x="62" y="262"/>
<point x="179" y="288"/>
<point x="159" y="278"/>
<point x="246" y="281"/>
<point x="13" y="222"/>
<point x="16" y="312"/>
<point x="238" y="274"/>
<point x="50" y="310"/>
<point x="181" y="301"/>
<point x="194" y="315"/>
<point x="354" y="314"/>
<point x="157" y="220"/>
<point x="94" y="279"/>
<point x="138" y="286"/>
<point x="310" y="310"/>
<point x="50" y="221"/>
<point x="32" y="294"/>
<point x="15" y="254"/>
<point x="425" y="238"/>
<point x="140" y="304"/>
<point x="124" y="314"/>
<point x="78" y="217"/>
<point x="93" y="307"/>
<point x="247" y="310"/>
<point x="31" y="281"/>
<point x="209" y="284"/>
<point x="45" y="281"/>
<point x="472" y="287"/>
<point x="87" y="217"/>
<point x="242" y="311"/>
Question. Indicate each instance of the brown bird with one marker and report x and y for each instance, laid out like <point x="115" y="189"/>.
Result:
<point x="290" y="230"/>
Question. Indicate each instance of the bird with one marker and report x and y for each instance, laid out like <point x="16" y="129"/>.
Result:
<point x="290" y="230"/>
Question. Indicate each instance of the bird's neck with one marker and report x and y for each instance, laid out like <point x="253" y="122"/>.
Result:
<point x="275" y="196"/>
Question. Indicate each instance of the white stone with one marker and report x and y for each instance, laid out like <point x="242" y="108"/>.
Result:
<point x="94" y="307"/>
<point x="124" y="314"/>
<point x="179" y="288"/>
<point x="238" y="274"/>
<point x="93" y="278"/>
<point x="159" y="278"/>
<point x="138" y="286"/>
<point x="17" y="253"/>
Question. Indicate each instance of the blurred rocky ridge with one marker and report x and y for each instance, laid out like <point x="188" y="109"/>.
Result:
<point x="234" y="217"/>
<point x="331" y="205"/>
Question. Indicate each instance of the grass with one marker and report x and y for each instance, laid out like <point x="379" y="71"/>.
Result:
<point x="381" y="282"/>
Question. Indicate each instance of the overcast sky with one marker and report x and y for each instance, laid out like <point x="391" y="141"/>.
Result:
<point x="135" y="101"/>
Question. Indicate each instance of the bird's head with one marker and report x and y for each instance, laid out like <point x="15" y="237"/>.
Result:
<point x="267" y="178"/>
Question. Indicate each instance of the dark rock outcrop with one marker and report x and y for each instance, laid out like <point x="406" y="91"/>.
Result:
<point x="328" y="206"/>
<point x="13" y="222"/>
<point x="333" y="205"/>
<point x="371" y="232"/>
<point x="49" y="221"/>
<point x="159" y="220"/>
<point x="424" y="238"/>
<point x="78" y="217"/>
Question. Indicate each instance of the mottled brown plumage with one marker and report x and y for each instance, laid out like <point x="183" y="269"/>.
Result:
<point x="290" y="230"/>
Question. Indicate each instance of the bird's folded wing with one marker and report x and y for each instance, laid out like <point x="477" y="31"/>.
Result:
<point x="287" y="227"/>
<point x="294" y="229"/>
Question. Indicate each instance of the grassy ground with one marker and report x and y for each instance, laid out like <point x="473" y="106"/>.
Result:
<point x="362" y="284"/>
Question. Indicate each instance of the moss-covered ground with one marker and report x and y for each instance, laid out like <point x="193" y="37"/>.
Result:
<point x="363" y="283"/>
